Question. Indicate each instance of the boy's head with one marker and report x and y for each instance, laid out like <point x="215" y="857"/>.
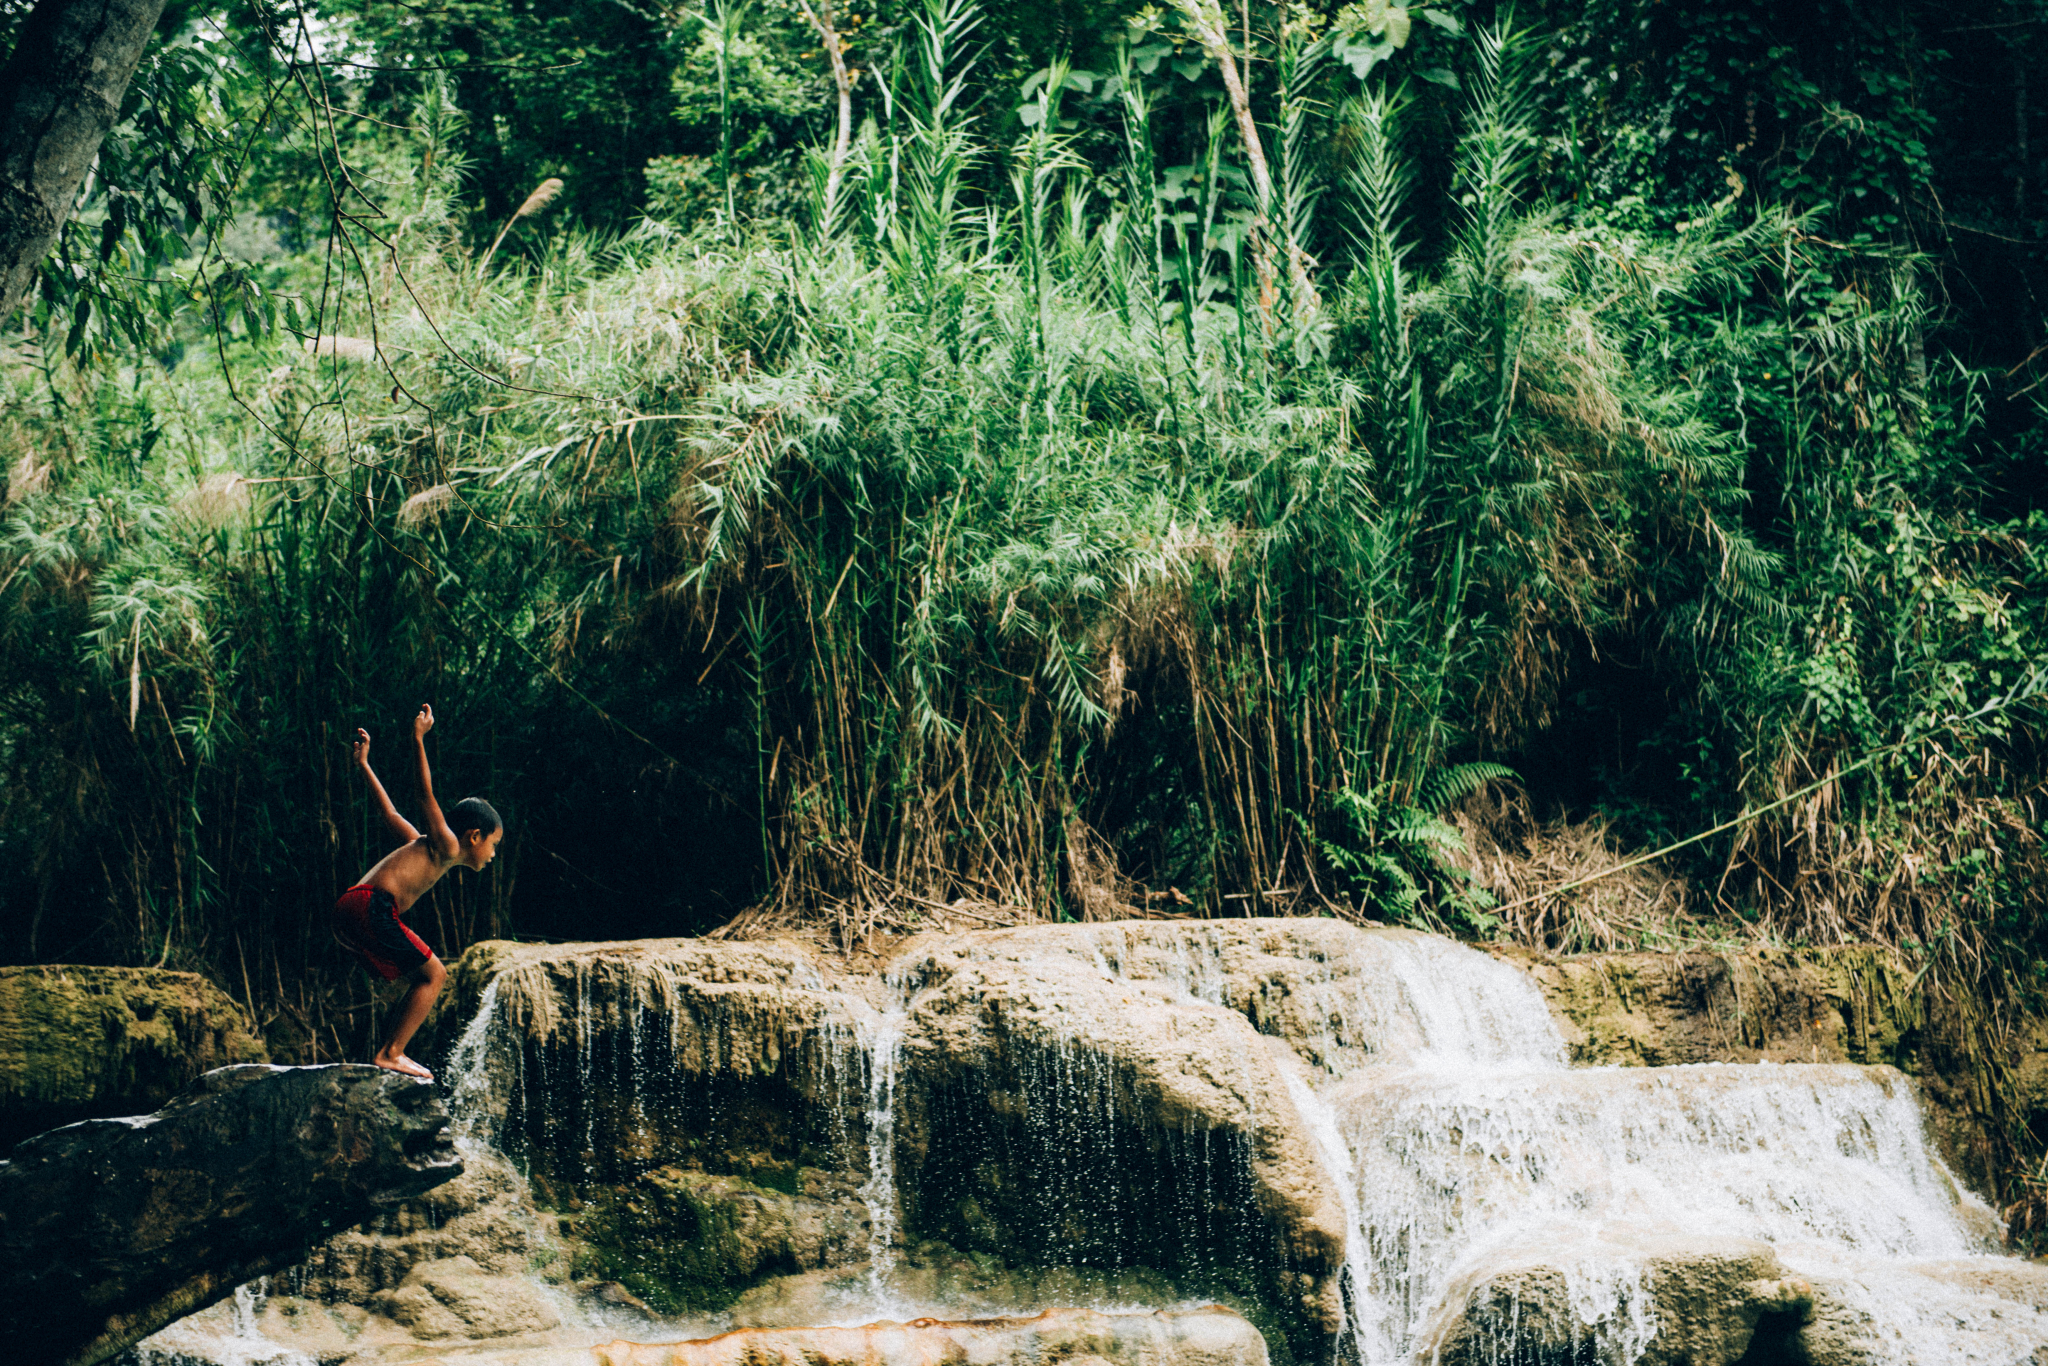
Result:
<point x="477" y="828"/>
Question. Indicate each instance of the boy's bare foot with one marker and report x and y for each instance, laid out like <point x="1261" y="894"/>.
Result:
<point x="403" y="1065"/>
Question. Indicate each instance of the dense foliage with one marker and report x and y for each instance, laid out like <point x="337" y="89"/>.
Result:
<point x="1493" y="445"/>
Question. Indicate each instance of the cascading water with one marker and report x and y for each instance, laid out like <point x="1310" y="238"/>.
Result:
<point x="471" y="1098"/>
<point x="881" y="1034"/>
<point x="1397" y="999"/>
<point x="1337" y="1162"/>
<point x="1469" y="1146"/>
<point x="1441" y="1105"/>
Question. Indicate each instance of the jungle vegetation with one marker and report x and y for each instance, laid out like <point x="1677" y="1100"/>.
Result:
<point x="961" y="461"/>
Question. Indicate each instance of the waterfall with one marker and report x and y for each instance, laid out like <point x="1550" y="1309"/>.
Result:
<point x="1428" y="1078"/>
<point x="1431" y="1003"/>
<point x="472" y="1098"/>
<point x="881" y="1033"/>
<point x="1456" y="1171"/>
<point x="1322" y="1124"/>
<point x="1440" y="1103"/>
<point x="1466" y="1148"/>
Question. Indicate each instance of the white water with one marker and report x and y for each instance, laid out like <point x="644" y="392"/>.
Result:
<point x="1428" y="1003"/>
<point x="1463" y="1146"/>
<point x="473" y="1090"/>
<point x="1336" y="1155"/>
<point x="1393" y="997"/>
<point x="881" y="1034"/>
<point x="1468" y="1148"/>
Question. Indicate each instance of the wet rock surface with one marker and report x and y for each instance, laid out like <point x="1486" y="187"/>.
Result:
<point x="85" y="1042"/>
<point x="1053" y="1111"/>
<point x="291" y="1331"/>
<point x="700" y="1115"/>
<point x="485" y="1214"/>
<point x="456" y="1298"/>
<point x="1710" y="1295"/>
<point x="111" y="1228"/>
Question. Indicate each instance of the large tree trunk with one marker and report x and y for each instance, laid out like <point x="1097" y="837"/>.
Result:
<point x="59" y="94"/>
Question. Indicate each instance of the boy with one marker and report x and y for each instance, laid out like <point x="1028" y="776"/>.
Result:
<point x="366" y="917"/>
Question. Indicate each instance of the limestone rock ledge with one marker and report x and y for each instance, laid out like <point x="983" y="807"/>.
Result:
<point x="1679" y="1301"/>
<point x="111" y="1228"/>
<point x="699" y="1114"/>
<point x="503" y="1322"/>
<point x="1209" y="1336"/>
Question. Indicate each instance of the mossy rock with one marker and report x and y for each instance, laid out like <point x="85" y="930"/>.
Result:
<point x="87" y="1042"/>
<point x="692" y="1241"/>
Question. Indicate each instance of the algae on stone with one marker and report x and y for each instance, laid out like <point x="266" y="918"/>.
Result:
<point x="93" y="1042"/>
<point x="692" y="1242"/>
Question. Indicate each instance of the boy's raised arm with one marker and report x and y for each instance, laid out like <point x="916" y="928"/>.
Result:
<point x="398" y="823"/>
<point x="438" y="834"/>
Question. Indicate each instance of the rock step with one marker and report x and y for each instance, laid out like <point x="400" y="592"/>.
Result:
<point x="111" y="1228"/>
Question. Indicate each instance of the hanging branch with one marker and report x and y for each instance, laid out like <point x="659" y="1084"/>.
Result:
<point x="820" y="15"/>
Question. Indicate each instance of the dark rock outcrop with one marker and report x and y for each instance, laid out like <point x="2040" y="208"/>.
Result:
<point x="112" y="1228"/>
<point x="84" y="1042"/>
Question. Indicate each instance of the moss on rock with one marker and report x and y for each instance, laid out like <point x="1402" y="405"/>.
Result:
<point x="87" y="1042"/>
<point x="692" y="1241"/>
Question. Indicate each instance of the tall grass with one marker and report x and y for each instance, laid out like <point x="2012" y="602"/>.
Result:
<point x="1004" y="542"/>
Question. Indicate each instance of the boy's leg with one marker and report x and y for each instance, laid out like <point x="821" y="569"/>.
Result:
<point x="407" y="1017"/>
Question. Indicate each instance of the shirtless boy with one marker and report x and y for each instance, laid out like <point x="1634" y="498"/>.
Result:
<point x="366" y="917"/>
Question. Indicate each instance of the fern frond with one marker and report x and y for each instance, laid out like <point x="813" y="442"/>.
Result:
<point x="1448" y="785"/>
<point x="1426" y="833"/>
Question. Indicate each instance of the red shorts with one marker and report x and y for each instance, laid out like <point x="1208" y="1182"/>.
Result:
<point x="366" y="923"/>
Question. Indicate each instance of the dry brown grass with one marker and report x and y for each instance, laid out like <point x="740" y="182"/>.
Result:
<point x="26" y="477"/>
<point x="1524" y="862"/>
<point x="1930" y="872"/>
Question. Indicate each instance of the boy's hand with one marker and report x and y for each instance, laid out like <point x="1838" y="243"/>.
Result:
<point x="360" y="750"/>
<point x="424" y="722"/>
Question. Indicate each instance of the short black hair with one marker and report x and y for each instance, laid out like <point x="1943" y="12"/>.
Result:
<point x="473" y="813"/>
